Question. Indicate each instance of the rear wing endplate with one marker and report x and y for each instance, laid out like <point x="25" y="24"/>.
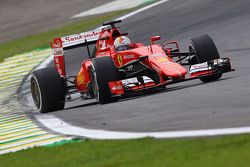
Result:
<point x="58" y="46"/>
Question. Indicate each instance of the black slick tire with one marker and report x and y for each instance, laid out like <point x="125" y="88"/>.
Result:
<point x="48" y="90"/>
<point x="103" y="70"/>
<point x="205" y="50"/>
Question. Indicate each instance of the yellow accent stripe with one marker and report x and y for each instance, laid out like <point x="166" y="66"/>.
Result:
<point x="14" y="121"/>
<point x="33" y="144"/>
<point x="17" y="130"/>
<point x="23" y="136"/>
<point x="26" y="141"/>
<point x="33" y="130"/>
<point x="18" y="125"/>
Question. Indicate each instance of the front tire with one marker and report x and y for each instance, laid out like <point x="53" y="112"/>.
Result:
<point x="205" y="50"/>
<point x="103" y="70"/>
<point x="48" y="90"/>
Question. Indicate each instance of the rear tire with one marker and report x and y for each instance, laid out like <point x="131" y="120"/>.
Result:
<point x="48" y="90"/>
<point x="103" y="70"/>
<point x="205" y="50"/>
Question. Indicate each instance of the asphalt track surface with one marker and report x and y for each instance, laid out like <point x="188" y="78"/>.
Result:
<point x="27" y="17"/>
<point x="190" y="105"/>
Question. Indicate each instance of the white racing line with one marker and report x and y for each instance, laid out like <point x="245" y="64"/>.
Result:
<point x="110" y="7"/>
<point x="58" y="125"/>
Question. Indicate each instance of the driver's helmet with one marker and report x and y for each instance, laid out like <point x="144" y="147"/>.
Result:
<point x="122" y="43"/>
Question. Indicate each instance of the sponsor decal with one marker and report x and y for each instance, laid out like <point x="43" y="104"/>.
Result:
<point x="129" y="81"/>
<point x="80" y="79"/>
<point x="58" y="51"/>
<point x="103" y="45"/>
<point x="119" y="58"/>
<point x="129" y="56"/>
<point x="103" y="54"/>
<point x="57" y="47"/>
<point x="197" y="66"/>
<point x="218" y="61"/>
<point x="130" y="68"/>
<point x="116" y="87"/>
<point x="119" y="87"/>
<point x="90" y="35"/>
<point x="57" y="43"/>
<point x="157" y="54"/>
<point x="162" y="59"/>
<point x="59" y="62"/>
<point x="81" y="36"/>
<point x="167" y="63"/>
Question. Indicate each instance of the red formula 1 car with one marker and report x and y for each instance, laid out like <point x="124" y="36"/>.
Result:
<point x="117" y="67"/>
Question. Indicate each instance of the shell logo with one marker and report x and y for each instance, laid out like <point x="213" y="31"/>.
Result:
<point x="80" y="79"/>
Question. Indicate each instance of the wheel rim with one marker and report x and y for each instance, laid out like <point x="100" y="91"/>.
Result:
<point x="94" y="83"/>
<point x="36" y="94"/>
<point x="192" y="50"/>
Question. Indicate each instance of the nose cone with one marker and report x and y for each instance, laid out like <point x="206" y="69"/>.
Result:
<point x="173" y="70"/>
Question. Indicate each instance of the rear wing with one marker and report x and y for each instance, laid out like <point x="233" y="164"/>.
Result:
<point x="58" y="46"/>
<point x="84" y="38"/>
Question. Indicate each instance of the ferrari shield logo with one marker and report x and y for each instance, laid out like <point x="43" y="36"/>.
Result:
<point x="119" y="58"/>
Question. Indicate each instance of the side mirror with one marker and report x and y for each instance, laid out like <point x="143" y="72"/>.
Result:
<point x="154" y="38"/>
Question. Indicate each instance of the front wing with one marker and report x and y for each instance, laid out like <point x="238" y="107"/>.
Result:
<point x="127" y="86"/>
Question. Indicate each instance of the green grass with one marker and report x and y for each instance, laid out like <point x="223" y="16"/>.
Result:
<point x="41" y="40"/>
<point x="228" y="151"/>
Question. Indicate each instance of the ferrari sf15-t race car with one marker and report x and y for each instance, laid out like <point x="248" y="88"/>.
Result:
<point x="119" y="68"/>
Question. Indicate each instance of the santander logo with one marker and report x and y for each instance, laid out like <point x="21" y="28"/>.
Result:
<point x="81" y="36"/>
